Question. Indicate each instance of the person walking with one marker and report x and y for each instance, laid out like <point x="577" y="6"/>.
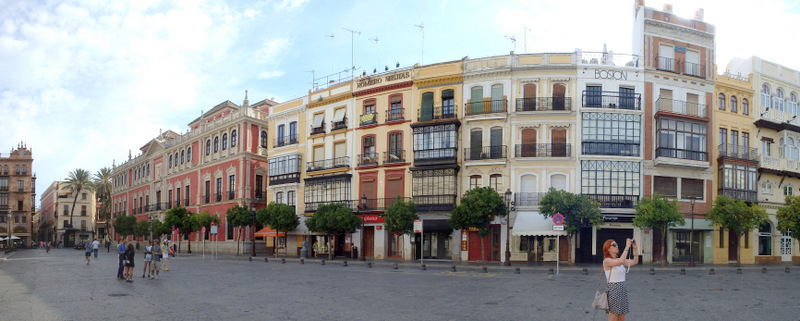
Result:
<point x="108" y="246"/>
<point x="148" y="256"/>
<point x="88" y="251"/>
<point x="95" y="247"/>
<point x="155" y="265"/>
<point x="614" y="268"/>
<point x="165" y="254"/>
<point x="130" y="254"/>
<point x="121" y="255"/>
<point x="47" y="247"/>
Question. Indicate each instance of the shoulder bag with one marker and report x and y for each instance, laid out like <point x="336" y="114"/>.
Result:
<point x="601" y="297"/>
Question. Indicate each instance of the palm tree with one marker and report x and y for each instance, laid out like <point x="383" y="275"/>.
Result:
<point x="102" y="185"/>
<point x="77" y="181"/>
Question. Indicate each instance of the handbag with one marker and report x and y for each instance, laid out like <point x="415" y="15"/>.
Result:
<point x="601" y="297"/>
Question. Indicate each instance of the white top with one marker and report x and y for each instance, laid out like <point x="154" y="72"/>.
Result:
<point x="618" y="275"/>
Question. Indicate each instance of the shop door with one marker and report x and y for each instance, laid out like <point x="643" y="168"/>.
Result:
<point x="475" y="246"/>
<point x="495" y="233"/>
<point x="369" y="242"/>
<point x="732" y="257"/>
<point x="786" y="248"/>
<point x="563" y="250"/>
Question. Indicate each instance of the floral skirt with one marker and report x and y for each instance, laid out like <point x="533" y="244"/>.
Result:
<point x="618" y="298"/>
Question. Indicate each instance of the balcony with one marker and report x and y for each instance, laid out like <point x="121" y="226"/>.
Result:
<point x="329" y="163"/>
<point x="543" y="150"/>
<point x="739" y="194"/>
<point x="434" y="202"/>
<point x="218" y="197"/>
<point x="318" y="130"/>
<point x="680" y="67"/>
<point x="436" y="113"/>
<point x="612" y="99"/>
<point x="435" y="156"/>
<point x="615" y="201"/>
<point x="259" y="196"/>
<point x="485" y="107"/>
<point x="693" y="69"/>
<point x="336" y="125"/>
<point x="155" y="207"/>
<point x="286" y="140"/>
<point x="369" y="119"/>
<point x="544" y="104"/>
<point x="486" y="152"/>
<point x="665" y="64"/>
<point x="528" y="199"/>
<point x="376" y="204"/>
<point x="313" y="206"/>
<point x="609" y="148"/>
<point x="682" y="154"/>
<point x="682" y="107"/>
<point x="394" y="157"/>
<point x="186" y="202"/>
<point x="4" y="188"/>
<point x="739" y="152"/>
<point x="370" y="159"/>
<point x="398" y="114"/>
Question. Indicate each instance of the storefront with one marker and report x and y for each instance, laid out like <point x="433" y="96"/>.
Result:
<point x="680" y="237"/>
<point x="435" y="240"/>
<point x="536" y="240"/>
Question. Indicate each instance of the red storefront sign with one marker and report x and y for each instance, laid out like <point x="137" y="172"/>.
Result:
<point x="372" y="218"/>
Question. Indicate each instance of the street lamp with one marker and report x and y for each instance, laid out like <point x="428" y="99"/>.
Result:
<point x="253" y="230"/>
<point x="8" y="239"/>
<point x="691" y="238"/>
<point x="508" y="227"/>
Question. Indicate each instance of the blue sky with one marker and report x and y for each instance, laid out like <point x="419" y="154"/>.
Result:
<point x="83" y="82"/>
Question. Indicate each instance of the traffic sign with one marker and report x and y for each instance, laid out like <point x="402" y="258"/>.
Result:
<point x="558" y="219"/>
<point x="558" y="227"/>
<point x="213" y="224"/>
<point x="213" y="229"/>
<point x="203" y="230"/>
<point x="417" y="226"/>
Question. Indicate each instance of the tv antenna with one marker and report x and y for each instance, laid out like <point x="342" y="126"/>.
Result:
<point x="313" y="79"/>
<point x="514" y="40"/>
<point x="352" y="60"/>
<point x="421" y="27"/>
<point x="525" y="34"/>
<point x="378" y="42"/>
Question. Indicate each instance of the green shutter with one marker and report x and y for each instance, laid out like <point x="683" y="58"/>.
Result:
<point x="476" y="106"/>
<point x="426" y="111"/>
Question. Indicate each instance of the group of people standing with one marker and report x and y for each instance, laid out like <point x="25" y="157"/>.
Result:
<point x="154" y="255"/>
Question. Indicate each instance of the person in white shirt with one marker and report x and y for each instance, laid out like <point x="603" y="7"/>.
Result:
<point x="95" y="247"/>
<point x="614" y="266"/>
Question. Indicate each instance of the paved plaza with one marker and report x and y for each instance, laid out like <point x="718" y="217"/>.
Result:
<point x="60" y="286"/>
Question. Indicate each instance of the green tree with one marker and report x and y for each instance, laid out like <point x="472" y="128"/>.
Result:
<point x="77" y="181"/>
<point x="333" y="219"/>
<point x="479" y="206"/>
<point x="399" y="217"/>
<point x="141" y="229"/>
<point x="578" y="211"/>
<point x="658" y="213"/>
<point x="158" y="228"/>
<point x="738" y="217"/>
<point x="102" y="185"/>
<point x="180" y="218"/>
<point x="204" y="219"/>
<point x="124" y="225"/>
<point x="280" y="217"/>
<point x="238" y="216"/>
<point x="789" y="217"/>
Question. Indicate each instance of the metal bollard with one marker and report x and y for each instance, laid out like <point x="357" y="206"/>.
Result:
<point x="683" y="271"/>
<point x="485" y="270"/>
<point x="585" y="271"/>
<point x="452" y="268"/>
<point x="369" y="265"/>
<point x="652" y="271"/>
<point x="302" y="261"/>
<point x="763" y="270"/>
<point x="711" y="271"/>
<point x="787" y="269"/>
<point x="738" y="270"/>
<point x="283" y="261"/>
<point x="250" y="258"/>
<point x="423" y="267"/>
<point x="516" y="270"/>
<point x="394" y="267"/>
<point x="344" y="263"/>
<point x="266" y="260"/>
<point x="550" y="271"/>
<point x="323" y="262"/>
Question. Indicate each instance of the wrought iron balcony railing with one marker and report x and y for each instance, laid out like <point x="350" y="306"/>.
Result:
<point x="612" y="99"/>
<point x="369" y="119"/>
<point x="740" y="152"/>
<point x="486" y="152"/>
<point x="313" y="206"/>
<point x="318" y="130"/>
<point x="528" y="199"/>
<point x="369" y="159"/>
<point x="615" y="201"/>
<point x="329" y="163"/>
<point x="543" y="150"/>
<point x="739" y="194"/>
<point x="376" y="204"/>
<point x="435" y="113"/>
<point x="394" y="156"/>
<point x="485" y="107"/>
<point x="285" y="140"/>
<point x="395" y="114"/>
<point x="544" y="104"/>
<point x="336" y="125"/>
<point x="682" y="107"/>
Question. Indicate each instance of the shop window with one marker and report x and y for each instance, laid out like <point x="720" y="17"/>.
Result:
<point x="765" y="239"/>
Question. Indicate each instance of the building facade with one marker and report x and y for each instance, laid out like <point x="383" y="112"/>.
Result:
<point x="56" y="205"/>
<point x="17" y="196"/>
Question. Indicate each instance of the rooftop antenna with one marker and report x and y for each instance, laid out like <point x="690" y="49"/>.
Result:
<point x="525" y="34"/>
<point x="421" y="27"/>
<point x="514" y="40"/>
<point x="352" y="60"/>
<point x="378" y="42"/>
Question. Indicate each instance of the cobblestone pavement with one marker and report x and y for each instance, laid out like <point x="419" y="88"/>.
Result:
<point x="60" y="286"/>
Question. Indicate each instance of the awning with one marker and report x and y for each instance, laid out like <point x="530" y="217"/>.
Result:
<point x="269" y="232"/>
<point x="534" y="224"/>
<point x="318" y="118"/>
<point x="339" y="115"/>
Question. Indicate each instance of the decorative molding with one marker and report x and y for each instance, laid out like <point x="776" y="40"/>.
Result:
<point x="659" y="28"/>
<point x="315" y="102"/>
<point x="529" y="126"/>
<point x="567" y="125"/>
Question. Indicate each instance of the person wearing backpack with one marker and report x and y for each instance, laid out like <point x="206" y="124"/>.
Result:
<point x="155" y="265"/>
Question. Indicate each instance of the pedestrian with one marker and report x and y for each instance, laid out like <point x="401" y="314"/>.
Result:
<point x="130" y="254"/>
<point x="614" y="268"/>
<point x="95" y="247"/>
<point x="165" y="254"/>
<point x="108" y="246"/>
<point x="88" y="251"/>
<point x="47" y="247"/>
<point x="148" y="256"/>
<point x="121" y="256"/>
<point x="155" y="265"/>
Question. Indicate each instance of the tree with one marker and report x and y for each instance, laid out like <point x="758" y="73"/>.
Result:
<point x="658" y="213"/>
<point x="738" y="217"/>
<point x="399" y="217"/>
<point x="102" y="185"/>
<point x="578" y="211"/>
<point x="141" y="229"/>
<point x="124" y="225"/>
<point x="238" y="216"/>
<point x="179" y="218"/>
<point x="789" y="217"/>
<point x="280" y="217"/>
<point x="479" y="206"/>
<point x="158" y="228"/>
<point x="203" y="220"/>
<point x="333" y="219"/>
<point x="77" y="181"/>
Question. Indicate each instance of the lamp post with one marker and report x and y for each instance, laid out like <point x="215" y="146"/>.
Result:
<point x="8" y="239"/>
<point x="253" y="230"/>
<point x="508" y="227"/>
<point x="361" y="256"/>
<point x="691" y="239"/>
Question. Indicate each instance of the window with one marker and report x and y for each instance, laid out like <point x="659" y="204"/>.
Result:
<point x="496" y="182"/>
<point x="208" y="147"/>
<point x="281" y="134"/>
<point x="182" y="156"/>
<point x="21" y="186"/>
<point x="325" y="190"/>
<point x="178" y="197"/>
<point x="293" y="132"/>
<point x="766" y="147"/>
<point x="667" y="186"/>
<point x="739" y="178"/>
<point x="448" y="102"/>
<point x="611" y="134"/>
<point x="216" y="144"/>
<point x="83" y="195"/>
<point x="225" y="141"/>
<point x="792" y="105"/>
<point x="369" y="116"/>
<point x="745" y="142"/>
<point x="169" y="166"/>
<point x="207" y="197"/>
<point x="231" y="187"/>
<point x="610" y="178"/>
<point x="474" y="181"/>
<point x="284" y="169"/>
<point x="395" y="108"/>
<point x="368" y="150"/>
<point x="263" y="139"/>
<point x="682" y="139"/>
<point x="765" y="239"/>
<point x="83" y="210"/>
<point x="188" y="158"/>
<point x="778" y="102"/>
<point x="259" y="187"/>
<point x="745" y="107"/>
<point x="426" y="107"/>
<point x="691" y="188"/>
<point x="431" y="142"/>
<point x="434" y="187"/>
<point x="787" y="191"/>
<point x="594" y="96"/>
<point x="665" y="57"/>
<point x="234" y="138"/>
<point x="290" y="198"/>
<point x="766" y="188"/>
<point x="733" y="104"/>
<point x="721" y="102"/>
<point x="279" y="197"/>
<point x="219" y="189"/>
<point x="723" y="137"/>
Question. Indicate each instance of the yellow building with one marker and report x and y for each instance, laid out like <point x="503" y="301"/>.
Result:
<point x="735" y="158"/>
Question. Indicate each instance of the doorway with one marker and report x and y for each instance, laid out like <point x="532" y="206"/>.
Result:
<point x="369" y="242"/>
<point x="732" y="254"/>
<point x="786" y="248"/>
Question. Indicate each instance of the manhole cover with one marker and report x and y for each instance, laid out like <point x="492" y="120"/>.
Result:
<point x="118" y="294"/>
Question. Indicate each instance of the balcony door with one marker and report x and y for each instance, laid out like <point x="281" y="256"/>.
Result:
<point x="475" y="144"/>
<point x="559" y="94"/>
<point x="497" y="99"/>
<point x="528" y="147"/>
<point x="476" y="100"/>
<point x="559" y="142"/>
<point x="395" y="186"/>
<point x="529" y="97"/>
<point x="368" y="189"/>
<point x="395" y="148"/>
<point x="496" y="143"/>
<point x="426" y="110"/>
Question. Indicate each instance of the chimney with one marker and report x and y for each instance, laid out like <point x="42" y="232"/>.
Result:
<point x="698" y="15"/>
<point x="668" y="7"/>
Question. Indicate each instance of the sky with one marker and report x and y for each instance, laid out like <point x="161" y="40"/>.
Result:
<point x="82" y="83"/>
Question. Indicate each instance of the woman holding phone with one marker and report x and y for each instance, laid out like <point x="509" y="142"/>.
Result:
<point x="614" y="264"/>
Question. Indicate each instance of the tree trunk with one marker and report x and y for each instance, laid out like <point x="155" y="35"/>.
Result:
<point x="75" y="200"/>
<point x="738" y="237"/>
<point x="664" y="247"/>
<point x="483" y="250"/>
<point x="569" y="250"/>
<point x="238" y="238"/>
<point x="189" y="239"/>
<point x="275" y="246"/>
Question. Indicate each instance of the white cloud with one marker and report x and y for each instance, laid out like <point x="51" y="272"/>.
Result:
<point x="270" y="49"/>
<point x="289" y="5"/>
<point x="270" y="74"/>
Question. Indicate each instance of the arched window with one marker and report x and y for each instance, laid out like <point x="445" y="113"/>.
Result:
<point x="263" y="139"/>
<point x="793" y="104"/>
<point x="188" y="154"/>
<point x="216" y="144"/>
<point x="765" y="96"/>
<point x="225" y="141"/>
<point x="208" y="147"/>
<point x="734" y="108"/>
<point x="789" y="148"/>
<point x="765" y="239"/>
<point x="781" y="149"/>
<point x="234" y="138"/>
<point x="176" y="158"/>
<point x="721" y="102"/>
<point x="496" y="182"/>
<point x="778" y="101"/>
<point x="745" y="107"/>
<point x="182" y="156"/>
<point x="474" y="181"/>
<point x="170" y="162"/>
<point x="559" y="182"/>
<point x="148" y="169"/>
